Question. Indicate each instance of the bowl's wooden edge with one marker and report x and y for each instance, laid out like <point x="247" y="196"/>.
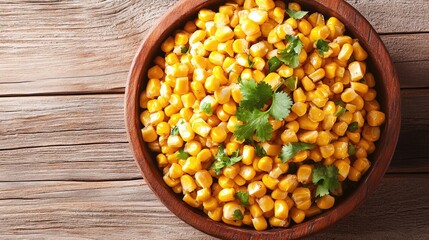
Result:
<point x="361" y="29"/>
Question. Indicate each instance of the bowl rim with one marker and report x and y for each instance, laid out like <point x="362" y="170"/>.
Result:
<point x="360" y="28"/>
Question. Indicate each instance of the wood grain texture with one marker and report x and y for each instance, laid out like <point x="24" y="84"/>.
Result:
<point x="128" y="210"/>
<point x="83" y="138"/>
<point x="87" y="47"/>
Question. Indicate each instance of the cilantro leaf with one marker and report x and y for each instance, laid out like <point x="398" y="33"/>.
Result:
<point x="238" y="215"/>
<point x="340" y="111"/>
<point x="290" y="55"/>
<point x="174" y="131"/>
<point x="222" y="160"/>
<point x="250" y="61"/>
<point x="351" y="149"/>
<point x="296" y="14"/>
<point x="322" y="46"/>
<point x="290" y="150"/>
<point x="256" y="121"/>
<point x="280" y="106"/>
<point x="326" y="179"/>
<point x="184" y="49"/>
<point x="274" y="63"/>
<point x="291" y="82"/>
<point x="353" y="126"/>
<point x="243" y="197"/>
<point x="182" y="154"/>
<point x="207" y="108"/>
<point x="254" y="95"/>
<point x="339" y="102"/>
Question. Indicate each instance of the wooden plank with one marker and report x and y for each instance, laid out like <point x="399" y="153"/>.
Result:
<point x="129" y="210"/>
<point x="79" y="47"/>
<point x="83" y="138"/>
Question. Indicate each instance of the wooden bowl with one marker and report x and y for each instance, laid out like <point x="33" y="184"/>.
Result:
<point x="388" y="96"/>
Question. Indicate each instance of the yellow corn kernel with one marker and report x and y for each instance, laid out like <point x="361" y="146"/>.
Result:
<point x="279" y="194"/>
<point x="211" y="204"/>
<point x="346" y="52"/>
<point x="175" y="171"/>
<point x="221" y="114"/>
<point x="281" y="209"/>
<point x="336" y="27"/>
<point x="343" y="169"/>
<point x="340" y="128"/>
<point x="273" y="79"/>
<point x="297" y="215"/>
<point x="155" y="72"/>
<point x="149" y="134"/>
<point x="302" y="198"/>
<point x="315" y="114"/>
<point x="226" y="182"/>
<point x="307" y="83"/>
<point x="348" y="95"/>
<point x="258" y="16"/>
<point x="325" y="202"/>
<point x="206" y="15"/>
<point x="354" y="175"/>
<point x="357" y="71"/>
<point x="161" y="160"/>
<point x="330" y="70"/>
<point x="248" y="154"/>
<point x="299" y="95"/>
<point x="239" y="180"/>
<point x="323" y="138"/>
<point x="170" y="181"/>
<point x="278" y="14"/>
<point x="249" y="27"/>
<point x="371" y="134"/>
<point x="167" y="45"/>
<point x="185" y="132"/>
<point x="204" y="155"/>
<point x="269" y="182"/>
<point x="188" y="183"/>
<point x="193" y="147"/>
<point x="362" y="164"/>
<point x="265" y="164"/>
<point x="259" y="223"/>
<point x="266" y="203"/>
<point x="215" y="214"/>
<point x="341" y="149"/>
<point x="328" y="122"/>
<point x="224" y="33"/>
<point x="319" y="32"/>
<point x="218" y="134"/>
<point x="304" y="173"/>
<point x="304" y="27"/>
<point x="369" y="79"/>
<point x="190" y="200"/>
<point x="256" y="188"/>
<point x="327" y="150"/>
<point x="229" y="209"/>
<point x="359" y="54"/>
<point x="231" y="171"/>
<point x="375" y="118"/>
<point x="230" y="107"/>
<point x="259" y="49"/>
<point x="307" y="124"/>
<point x="288" y="183"/>
<point x="373" y="105"/>
<point x="203" y="178"/>
<point x="308" y="137"/>
<point x="265" y="4"/>
<point x="285" y="71"/>
<point x="370" y="95"/>
<point x="226" y="195"/>
<point x="312" y="211"/>
<point x="273" y="37"/>
<point x="192" y="165"/>
<point x="317" y="75"/>
<point x="266" y="28"/>
<point x="203" y="194"/>
<point x="153" y="88"/>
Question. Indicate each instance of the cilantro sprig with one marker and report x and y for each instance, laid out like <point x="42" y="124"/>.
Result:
<point x="182" y="154"/>
<point x="290" y="55"/>
<point x="254" y="97"/>
<point x="223" y="160"/>
<point x="292" y="149"/>
<point x="243" y="197"/>
<point x="325" y="178"/>
<point x="296" y="14"/>
<point x="322" y="46"/>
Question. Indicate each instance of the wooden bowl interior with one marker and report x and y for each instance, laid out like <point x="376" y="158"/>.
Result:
<point x="388" y="95"/>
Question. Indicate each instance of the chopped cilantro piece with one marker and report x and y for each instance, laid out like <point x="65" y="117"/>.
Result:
<point x="184" y="49"/>
<point x="291" y="82"/>
<point x="238" y="215"/>
<point x="207" y="108"/>
<point x="182" y="154"/>
<point x="290" y="55"/>
<point x="254" y="95"/>
<point x="340" y="111"/>
<point x="250" y="61"/>
<point x="243" y="197"/>
<point x="256" y="121"/>
<point x="174" y="131"/>
<point x="223" y="160"/>
<point x="353" y="126"/>
<point x="326" y="179"/>
<point x="274" y="63"/>
<point x="296" y="14"/>
<point x="290" y="150"/>
<point x="352" y="149"/>
<point x="322" y="46"/>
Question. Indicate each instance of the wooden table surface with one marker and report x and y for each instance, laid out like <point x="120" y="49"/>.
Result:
<point x="66" y="171"/>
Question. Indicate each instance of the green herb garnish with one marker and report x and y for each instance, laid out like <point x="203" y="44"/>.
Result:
<point x="184" y="49"/>
<point x="238" y="215"/>
<point x="207" y="108"/>
<point x="174" y="131"/>
<point x="322" y="46"/>
<point x="182" y="154"/>
<point x="290" y="150"/>
<point x="290" y="55"/>
<point x="223" y="160"/>
<point x="243" y="197"/>
<point x="274" y="63"/>
<point x="296" y="14"/>
<point x="353" y="126"/>
<point x="326" y="179"/>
